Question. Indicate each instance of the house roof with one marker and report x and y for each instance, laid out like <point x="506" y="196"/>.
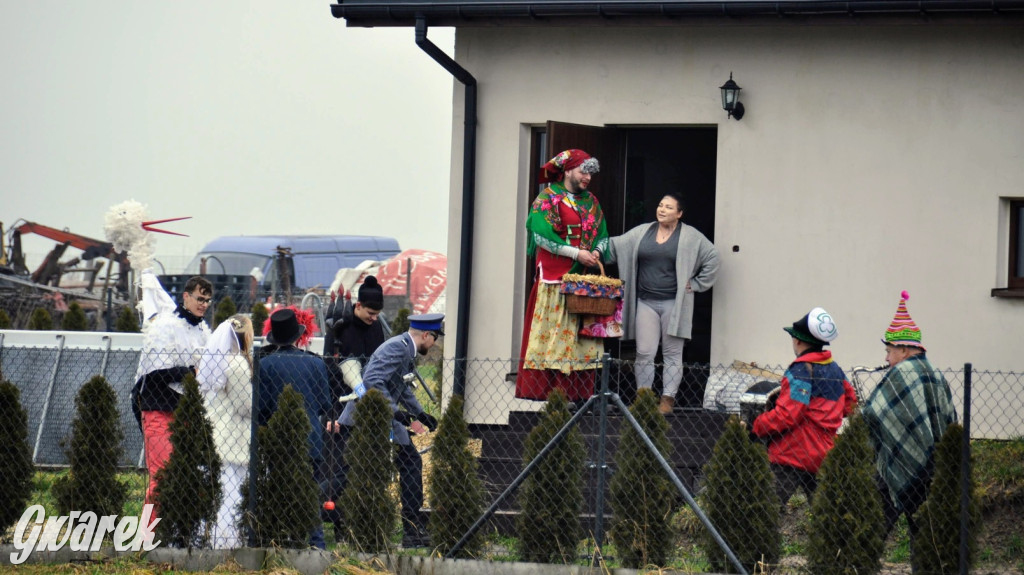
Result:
<point x="540" y="12"/>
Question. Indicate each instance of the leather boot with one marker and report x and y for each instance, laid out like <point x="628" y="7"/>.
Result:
<point x="667" y="402"/>
<point x="414" y="532"/>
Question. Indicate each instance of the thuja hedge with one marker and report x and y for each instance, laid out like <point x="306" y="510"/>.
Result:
<point x="41" y="320"/>
<point x="937" y="544"/>
<point x="94" y="453"/>
<point x="642" y="495"/>
<point x="74" y="319"/>
<point x="15" y="456"/>
<point x="740" y="501"/>
<point x="258" y="315"/>
<point x="368" y="502"/>
<point x="127" y="320"/>
<point x="225" y="309"/>
<point x="456" y="492"/>
<point x="188" y="489"/>
<point x="552" y="497"/>
<point x="287" y="502"/>
<point x="846" y="528"/>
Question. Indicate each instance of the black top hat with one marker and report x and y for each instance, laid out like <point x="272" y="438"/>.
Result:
<point x="284" y="328"/>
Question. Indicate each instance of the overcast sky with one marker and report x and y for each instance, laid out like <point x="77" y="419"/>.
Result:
<point x="254" y="117"/>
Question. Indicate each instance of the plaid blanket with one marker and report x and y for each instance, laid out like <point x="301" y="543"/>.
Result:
<point x="907" y="414"/>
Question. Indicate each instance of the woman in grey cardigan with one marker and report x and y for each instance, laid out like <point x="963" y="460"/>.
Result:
<point x="661" y="264"/>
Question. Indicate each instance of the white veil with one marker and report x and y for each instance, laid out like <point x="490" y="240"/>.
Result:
<point x="213" y="366"/>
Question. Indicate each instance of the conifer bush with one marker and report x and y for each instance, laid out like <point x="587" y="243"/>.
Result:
<point x="127" y="321"/>
<point x="74" y="319"/>
<point x="258" y="314"/>
<point x="740" y="501"/>
<point x="5" y="320"/>
<point x="455" y="489"/>
<point x="937" y="544"/>
<point x="551" y="498"/>
<point x="846" y="526"/>
<point x="15" y="456"/>
<point x="225" y="309"/>
<point x="188" y="487"/>
<point x="41" y="320"/>
<point x="94" y="453"/>
<point x="287" y="503"/>
<point x="642" y="496"/>
<point x="400" y="324"/>
<point x="370" y="507"/>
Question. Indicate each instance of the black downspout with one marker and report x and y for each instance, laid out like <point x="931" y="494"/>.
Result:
<point x="468" y="198"/>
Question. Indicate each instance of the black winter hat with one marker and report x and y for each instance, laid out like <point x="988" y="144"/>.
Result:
<point x="371" y="295"/>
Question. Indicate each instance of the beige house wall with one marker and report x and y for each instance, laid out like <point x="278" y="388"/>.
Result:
<point x="872" y="159"/>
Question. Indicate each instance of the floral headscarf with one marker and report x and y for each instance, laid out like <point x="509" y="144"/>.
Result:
<point x="554" y="170"/>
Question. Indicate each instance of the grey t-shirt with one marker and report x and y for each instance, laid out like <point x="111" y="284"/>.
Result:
<point x="656" y="266"/>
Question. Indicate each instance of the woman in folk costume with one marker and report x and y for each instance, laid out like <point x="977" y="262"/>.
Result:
<point x="566" y="233"/>
<point x="225" y="379"/>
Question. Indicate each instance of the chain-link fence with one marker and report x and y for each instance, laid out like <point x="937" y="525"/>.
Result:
<point x="302" y="461"/>
<point x="20" y="299"/>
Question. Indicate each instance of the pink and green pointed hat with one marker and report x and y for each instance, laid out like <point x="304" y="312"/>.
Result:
<point x="903" y="330"/>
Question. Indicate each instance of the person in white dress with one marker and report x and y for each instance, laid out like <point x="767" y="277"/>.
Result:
<point x="225" y="379"/>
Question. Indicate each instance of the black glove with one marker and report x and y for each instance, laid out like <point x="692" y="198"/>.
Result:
<point x="429" y="420"/>
<point x="403" y="417"/>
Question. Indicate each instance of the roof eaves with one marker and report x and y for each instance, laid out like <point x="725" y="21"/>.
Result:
<point x="540" y="12"/>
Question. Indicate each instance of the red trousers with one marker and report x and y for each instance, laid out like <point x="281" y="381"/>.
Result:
<point x="156" y="433"/>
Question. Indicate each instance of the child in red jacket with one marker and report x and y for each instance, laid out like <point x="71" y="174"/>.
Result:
<point x="814" y="398"/>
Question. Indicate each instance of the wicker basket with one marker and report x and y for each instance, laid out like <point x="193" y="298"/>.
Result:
<point x="588" y="304"/>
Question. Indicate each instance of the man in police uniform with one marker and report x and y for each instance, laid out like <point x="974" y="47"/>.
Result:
<point x="386" y="371"/>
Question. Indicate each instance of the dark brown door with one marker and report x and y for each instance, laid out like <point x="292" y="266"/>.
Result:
<point x="605" y="144"/>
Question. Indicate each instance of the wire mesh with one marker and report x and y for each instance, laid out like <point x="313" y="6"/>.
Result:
<point x="498" y="426"/>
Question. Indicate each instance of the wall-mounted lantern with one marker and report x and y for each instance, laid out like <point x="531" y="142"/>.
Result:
<point x="731" y="98"/>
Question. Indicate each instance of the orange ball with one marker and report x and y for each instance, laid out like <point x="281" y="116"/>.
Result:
<point x="329" y="505"/>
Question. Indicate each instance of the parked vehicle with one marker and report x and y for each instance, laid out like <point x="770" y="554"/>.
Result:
<point x="252" y="268"/>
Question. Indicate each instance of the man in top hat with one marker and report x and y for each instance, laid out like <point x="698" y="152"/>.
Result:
<point x="566" y="233"/>
<point x="356" y="334"/>
<point x="307" y="374"/>
<point x="906" y="415"/>
<point x="386" y="371"/>
<point x="813" y="399"/>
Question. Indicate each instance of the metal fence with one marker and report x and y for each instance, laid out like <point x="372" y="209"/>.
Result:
<point x="50" y="377"/>
<point x="20" y="298"/>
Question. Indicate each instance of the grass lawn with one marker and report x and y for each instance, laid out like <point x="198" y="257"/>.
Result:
<point x="998" y="469"/>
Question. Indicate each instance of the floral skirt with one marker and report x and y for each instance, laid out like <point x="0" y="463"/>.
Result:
<point x="553" y="355"/>
<point x="554" y="342"/>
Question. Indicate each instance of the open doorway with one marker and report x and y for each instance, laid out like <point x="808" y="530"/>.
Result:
<point x="638" y="165"/>
<point x="678" y="159"/>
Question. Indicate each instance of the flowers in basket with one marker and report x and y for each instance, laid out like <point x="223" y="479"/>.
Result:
<point x="591" y="286"/>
